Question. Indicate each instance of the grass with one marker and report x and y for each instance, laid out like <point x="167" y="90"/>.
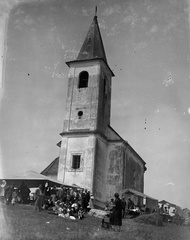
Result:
<point x="153" y="219"/>
<point x="21" y="222"/>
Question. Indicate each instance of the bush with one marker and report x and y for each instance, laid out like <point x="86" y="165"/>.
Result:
<point x="153" y="219"/>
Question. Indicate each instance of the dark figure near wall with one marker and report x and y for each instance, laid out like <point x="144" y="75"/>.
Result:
<point x="123" y="206"/>
<point x="130" y="204"/>
<point x="24" y="192"/>
<point x="117" y="213"/>
<point x="8" y="194"/>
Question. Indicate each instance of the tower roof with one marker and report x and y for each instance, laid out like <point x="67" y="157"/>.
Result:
<point x="92" y="47"/>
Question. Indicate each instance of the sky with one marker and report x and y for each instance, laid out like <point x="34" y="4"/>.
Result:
<point x="147" y="46"/>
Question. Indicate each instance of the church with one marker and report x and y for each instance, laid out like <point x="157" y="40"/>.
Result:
<point x="92" y="154"/>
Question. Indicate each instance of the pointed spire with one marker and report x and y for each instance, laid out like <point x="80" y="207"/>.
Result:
<point x="92" y="47"/>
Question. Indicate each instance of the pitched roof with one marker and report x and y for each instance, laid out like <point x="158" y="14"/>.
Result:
<point x="92" y="47"/>
<point x="164" y="202"/>
<point x="59" y="144"/>
<point x="137" y="193"/>
<point x="52" y="168"/>
<point x="31" y="178"/>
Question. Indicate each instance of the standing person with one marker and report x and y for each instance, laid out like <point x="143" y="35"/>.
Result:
<point x="91" y="202"/>
<point x="8" y="194"/>
<point x="88" y="196"/>
<point x="60" y="193"/>
<point x="53" y="194"/>
<point x="109" y="207"/>
<point x="117" y="213"/>
<point x="123" y="206"/>
<point x="44" y="191"/>
<point x="130" y="204"/>
<point x="2" y="191"/>
<point x="39" y="198"/>
<point x="79" y="197"/>
<point x="14" y="196"/>
<point x="64" y="195"/>
<point x="24" y="192"/>
<point x="47" y="190"/>
<point x="85" y="199"/>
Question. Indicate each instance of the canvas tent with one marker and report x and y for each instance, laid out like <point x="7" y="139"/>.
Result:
<point x="151" y="203"/>
<point x="32" y="179"/>
<point x="172" y="208"/>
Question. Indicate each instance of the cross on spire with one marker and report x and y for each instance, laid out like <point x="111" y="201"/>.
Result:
<point x="96" y="9"/>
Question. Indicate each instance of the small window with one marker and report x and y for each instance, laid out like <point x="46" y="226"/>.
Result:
<point x="80" y="113"/>
<point x="83" y="80"/>
<point x="76" y="161"/>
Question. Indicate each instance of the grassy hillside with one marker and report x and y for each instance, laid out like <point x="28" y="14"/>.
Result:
<point x="21" y="222"/>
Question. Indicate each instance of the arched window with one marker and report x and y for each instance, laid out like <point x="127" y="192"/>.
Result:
<point x="83" y="79"/>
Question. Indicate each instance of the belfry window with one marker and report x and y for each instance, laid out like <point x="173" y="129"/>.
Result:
<point x="83" y="79"/>
<point x="76" y="161"/>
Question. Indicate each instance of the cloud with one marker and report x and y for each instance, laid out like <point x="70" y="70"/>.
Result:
<point x="22" y="22"/>
<point x="171" y="24"/>
<point x="87" y="12"/>
<point x="170" y="183"/>
<point x="68" y="7"/>
<point x="140" y="46"/>
<point x="113" y="30"/>
<point x="59" y="75"/>
<point x="5" y="6"/>
<point x="18" y="12"/>
<point x="145" y="19"/>
<point x="71" y="54"/>
<point x="131" y="16"/>
<point x="130" y="19"/>
<point x="149" y="7"/>
<point x="111" y="10"/>
<point x="154" y="29"/>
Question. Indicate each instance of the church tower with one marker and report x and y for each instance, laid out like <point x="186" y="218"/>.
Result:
<point x="89" y="88"/>
<point x="87" y="113"/>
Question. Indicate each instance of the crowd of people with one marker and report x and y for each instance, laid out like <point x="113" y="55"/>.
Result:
<point x="65" y="202"/>
<point x="68" y="202"/>
<point x="11" y="194"/>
